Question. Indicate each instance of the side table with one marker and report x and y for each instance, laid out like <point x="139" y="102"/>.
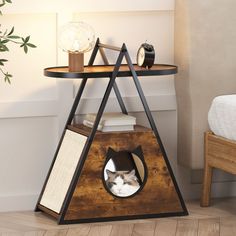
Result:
<point x="85" y="197"/>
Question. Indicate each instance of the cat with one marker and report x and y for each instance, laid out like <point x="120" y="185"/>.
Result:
<point x="122" y="183"/>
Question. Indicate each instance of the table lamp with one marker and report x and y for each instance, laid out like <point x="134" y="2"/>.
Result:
<point x="76" y="38"/>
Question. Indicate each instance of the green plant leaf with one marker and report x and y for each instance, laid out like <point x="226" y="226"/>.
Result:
<point x="2" y="61"/>
<point x="13" y="37"/>
<point x="31" y="45"/>
<point x="9" y="1"/>
<point x="3" y="3"/>
<point x="25" y="49"/>
<point x="5" y="41"/>
<point x="3" y="48"/>
<point x="12" y="30"/>
<point x="27" y="39"/>
<point x="8" y="78"/>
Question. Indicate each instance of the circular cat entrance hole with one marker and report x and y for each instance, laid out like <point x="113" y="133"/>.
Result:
<point x="125" y="172"/>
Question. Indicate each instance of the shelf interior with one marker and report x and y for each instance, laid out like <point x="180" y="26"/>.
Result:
<point x="84" y="130"/>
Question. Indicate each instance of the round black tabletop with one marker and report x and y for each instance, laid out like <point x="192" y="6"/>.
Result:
<point x="102" y="71"/>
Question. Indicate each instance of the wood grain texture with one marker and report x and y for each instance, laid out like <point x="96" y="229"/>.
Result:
<point x="101" y="230"/>
<point x="81" y="230"/>
<point x="122" y="230"/>
<point x="146" y="229"/>
<point x="90" y="198"/>
<point x="32" y="233"/>
<point x="219" y="153"/>
<point x="209" y="227"/>
<point x="187" y="228"/>
<point x="228" y="226"/>
<point x="37" y="224"/>
<point x="101" y="71"/>
<point x="62" y="232"/>
<point x="206" y="187"/>
<point x="35" y="233"/>
<point x="48" y="211"/>
<point x="99" y="134"/>
<point x="165" y="228"/>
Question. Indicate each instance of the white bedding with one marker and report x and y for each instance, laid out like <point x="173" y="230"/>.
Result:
<point x="222" y="116"/>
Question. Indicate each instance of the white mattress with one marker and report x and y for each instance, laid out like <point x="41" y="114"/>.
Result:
<point x="222" y="116"/>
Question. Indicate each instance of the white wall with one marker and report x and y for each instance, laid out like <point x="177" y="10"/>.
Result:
<point x="33" y="108"/>
<point x="204" y="50"/>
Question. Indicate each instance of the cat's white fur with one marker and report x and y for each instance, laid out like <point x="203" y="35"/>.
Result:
<point x="123" y="190"/>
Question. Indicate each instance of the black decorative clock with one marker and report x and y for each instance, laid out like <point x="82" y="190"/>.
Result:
<point x="146" y="55"/>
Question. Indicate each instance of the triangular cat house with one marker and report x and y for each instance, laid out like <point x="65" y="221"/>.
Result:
<point x="76" y="188"/>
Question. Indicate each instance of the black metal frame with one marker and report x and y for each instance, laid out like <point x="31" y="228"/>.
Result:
<point x="123" y="53"/>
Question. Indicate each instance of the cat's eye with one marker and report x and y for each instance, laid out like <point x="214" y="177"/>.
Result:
<point x="124" y="173"/>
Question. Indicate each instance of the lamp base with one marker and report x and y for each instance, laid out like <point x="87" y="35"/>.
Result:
<point x="76" y="62"/>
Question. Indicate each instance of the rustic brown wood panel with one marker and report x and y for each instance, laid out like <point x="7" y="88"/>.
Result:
<point x="90" y="198"/>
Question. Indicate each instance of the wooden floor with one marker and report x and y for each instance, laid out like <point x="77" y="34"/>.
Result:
<point x="219" y="219"/>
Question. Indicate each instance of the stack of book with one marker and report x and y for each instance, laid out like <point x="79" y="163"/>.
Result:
<point x="111" y="122"/>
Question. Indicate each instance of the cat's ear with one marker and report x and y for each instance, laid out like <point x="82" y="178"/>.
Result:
<point x="109" y="173"/>
<point x="111" y="152"/>
<point x="138" y="151"/>
<point x="132" y="173"/>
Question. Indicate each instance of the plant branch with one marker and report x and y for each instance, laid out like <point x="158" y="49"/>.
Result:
<point x="4" y="2"/>
<point x="9" y="39"/>
<point x="6" y="38"/>
<point x="7" y="76"/>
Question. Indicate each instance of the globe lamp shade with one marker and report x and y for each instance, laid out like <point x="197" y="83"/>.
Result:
<point x="76" y="38"/>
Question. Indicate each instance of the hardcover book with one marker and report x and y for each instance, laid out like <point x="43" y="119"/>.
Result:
<point x="112" y="119"/>
<point x="109" y="128"/>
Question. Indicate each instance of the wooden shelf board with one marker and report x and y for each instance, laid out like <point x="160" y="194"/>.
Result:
<point x="48" y="211"/>
<point x="101" y="71"/>
<point x="80" y="128"/>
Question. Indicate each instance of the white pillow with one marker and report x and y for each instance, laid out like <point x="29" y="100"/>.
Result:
<point x="222" y="116"/>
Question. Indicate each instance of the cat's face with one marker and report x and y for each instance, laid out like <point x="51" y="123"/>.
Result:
<point x="122" y="183"/>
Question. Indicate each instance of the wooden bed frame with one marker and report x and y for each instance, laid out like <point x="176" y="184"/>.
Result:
<point x="219" y="153"/>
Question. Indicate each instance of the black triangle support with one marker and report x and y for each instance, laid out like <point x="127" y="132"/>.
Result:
<point x="153" y="126"/>
<point x="91" y="136"/>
